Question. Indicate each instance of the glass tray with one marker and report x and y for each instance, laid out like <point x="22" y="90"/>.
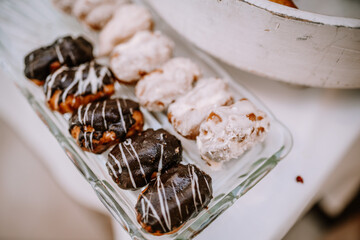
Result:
<point x="26" y="25"/>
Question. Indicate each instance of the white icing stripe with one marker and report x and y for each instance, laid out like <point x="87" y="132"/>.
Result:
<point x="163" y="203"/>
<point x="121" y="115"/>
<point x="58" y="53"/>
<point x="116" y="162"/>
<point x="143" y="206"/>
<point x="31" y="57"/>
<point x="77" y="77"/>
<point x="207" y="184"/>
<point x="79" y="114"/>
<point x="85" y="117"/>
<point x="91" y="140"/>
<point x="177" y="199"/>
<point x="95" y="82"/>
<point x="196" y="181"/>
<point x="154" y="212"/>
<point x="161" y="160"/>
<point x="137" y="157"/>
<point x="92" y="79"/>
<point x="195" y="188"/>
<point x="127" y="165"/>
<point x="146" y="213"/>
<point x="93" y="114"/>
<point x="50" y="81"/>
<point x="103" y="114"/>
<point x="111" y="168"/>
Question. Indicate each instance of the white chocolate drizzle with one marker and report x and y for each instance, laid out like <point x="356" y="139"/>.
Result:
<point x="127" y="165"/>
<point x="79" y="114"/>
<point x="155" y="215"/>
<point x="86" y="112"/>
<point x="50" y="81"/>
<point x="128" y="142"/>
<point x="116" y="162"/>
<point x="103" y="114"/>
<point x="164" y="207"/>
<point x="93" y="114"/>
<point x="195" y="183"/>
<point x="165" y="218"/>
<point x="193" y="190"/>
<point x="91" y="140"/>
<point x="177" y="200"/>
<point x="31" y="57"/>
<point x="58" y="53"/>
<point x="93" y="80"/>
<point x="121" y="115"/>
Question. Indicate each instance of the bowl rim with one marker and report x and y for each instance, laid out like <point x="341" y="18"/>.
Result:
<point x="304" y="16"/>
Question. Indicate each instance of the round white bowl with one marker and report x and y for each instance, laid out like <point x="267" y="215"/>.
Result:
<point x="271" y="40"/>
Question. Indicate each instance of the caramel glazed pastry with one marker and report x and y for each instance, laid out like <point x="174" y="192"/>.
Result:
<point x="66" y="51"/>
<point x="174" y="197"/>
<point x="68" y="88"/>
<point x="230" y="130"/>
<point x="190" y="110"/>
<point x="156" y="90"/>
<point x="142" y="54"/>
<point x="135" y="161"/>
<point x="98" y="125"/>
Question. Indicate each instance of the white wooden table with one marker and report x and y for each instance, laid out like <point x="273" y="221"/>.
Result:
<point x="325" y="125"/>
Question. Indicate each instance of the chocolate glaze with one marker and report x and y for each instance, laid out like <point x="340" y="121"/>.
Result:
<point x="111" y="115"/>
<point x="133" y="162"/>
<point x="77" y="80"/>
<point x="174" y="197"/>
<point x="65" y="50"/>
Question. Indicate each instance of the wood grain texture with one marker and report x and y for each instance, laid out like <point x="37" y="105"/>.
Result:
<point x="271" y="40"/>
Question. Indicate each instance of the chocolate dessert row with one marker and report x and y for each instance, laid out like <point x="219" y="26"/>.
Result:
<point x="175" y="192"/>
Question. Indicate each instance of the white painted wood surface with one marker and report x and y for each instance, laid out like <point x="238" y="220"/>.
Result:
<point x="271" y="40"/>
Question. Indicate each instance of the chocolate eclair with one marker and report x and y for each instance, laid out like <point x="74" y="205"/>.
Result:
<point x="98" y="125"/>
<point x="66" y="51"/>
<point x="172" y="198"/>
<point x="135" y="161"/>
<point x="69" y="87"/>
